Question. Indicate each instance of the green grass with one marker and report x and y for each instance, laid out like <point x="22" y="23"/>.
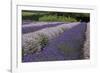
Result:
<point x="27" y="13"/>
<point x="65" y="49"/>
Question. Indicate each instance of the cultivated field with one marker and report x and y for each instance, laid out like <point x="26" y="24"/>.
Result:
<point x="51" y="41"/>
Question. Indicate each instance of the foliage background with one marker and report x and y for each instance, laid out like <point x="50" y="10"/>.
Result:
<point x="55" y="16"/>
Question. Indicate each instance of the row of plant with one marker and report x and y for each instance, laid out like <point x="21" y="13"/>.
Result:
<point x="35" y="41"/>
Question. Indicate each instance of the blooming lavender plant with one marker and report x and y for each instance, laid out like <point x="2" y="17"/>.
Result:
<point x="36" y="41"/>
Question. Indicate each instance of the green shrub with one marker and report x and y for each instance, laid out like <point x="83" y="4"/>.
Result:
<point x="57" y="18"/>
<point x="66" y="19"/>
<point x="70" y="19"/>
<point x="48" y="18"/>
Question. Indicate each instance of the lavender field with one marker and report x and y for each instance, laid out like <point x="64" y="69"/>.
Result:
<point x="55" y="36"/>
<point x="53" y="41"/>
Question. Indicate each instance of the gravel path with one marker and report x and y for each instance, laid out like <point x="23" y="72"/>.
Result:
<point x="67" y="46"/>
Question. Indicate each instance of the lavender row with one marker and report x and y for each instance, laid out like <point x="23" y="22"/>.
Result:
<point x="31" y="42"/>
<point x="67" y="46"/>
<point x="38" y="26"/>
<point x="86" y="47"/>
